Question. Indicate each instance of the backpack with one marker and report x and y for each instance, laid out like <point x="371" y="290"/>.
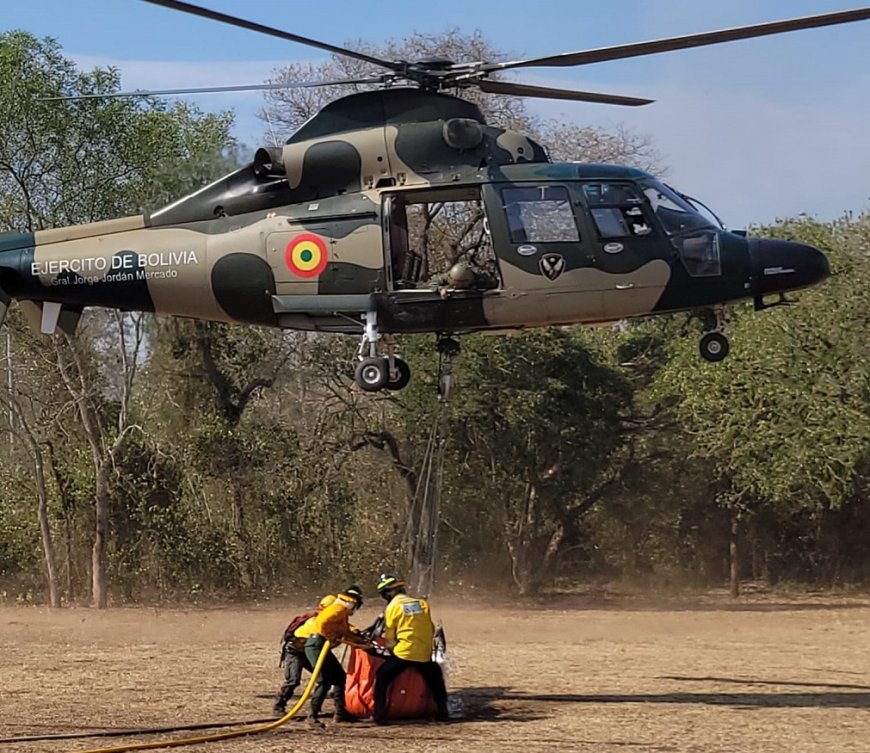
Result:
<point x="296" y="623"/>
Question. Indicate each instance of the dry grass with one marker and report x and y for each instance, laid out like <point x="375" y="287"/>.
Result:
<point x="762" y="676"/>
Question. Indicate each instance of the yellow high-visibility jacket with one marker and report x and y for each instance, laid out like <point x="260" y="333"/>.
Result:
<point x="408" y="628"/>
<point x="303" y="633"/>
<point x="333" y="623"/>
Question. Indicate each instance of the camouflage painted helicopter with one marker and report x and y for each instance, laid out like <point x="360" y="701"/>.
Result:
<point x="317" y="234"/>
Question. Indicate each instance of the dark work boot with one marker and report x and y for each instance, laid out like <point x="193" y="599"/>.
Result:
<point x="443" y="713"/>
<point x="342" y="715"/>
<point x="280" y="707"/>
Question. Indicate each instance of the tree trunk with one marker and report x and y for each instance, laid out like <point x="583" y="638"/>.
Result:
<point x="539" y="566"/>
<point x="45" y="529"/>
<point x="68" y="546"/>
<point x="66" y="506"/>
<point x="518" y="540"/>
<point x="240" y="535"/>
<point x="99" y="579"/>
<point x="533" y="552"/>
<point x="734" y="559"/>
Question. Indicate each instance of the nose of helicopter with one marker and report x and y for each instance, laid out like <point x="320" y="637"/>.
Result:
<point x="778" y="266"/>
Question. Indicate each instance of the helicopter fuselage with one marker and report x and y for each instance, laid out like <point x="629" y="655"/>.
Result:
<point x="588" y="263"/>
<point x="316" y="236"/>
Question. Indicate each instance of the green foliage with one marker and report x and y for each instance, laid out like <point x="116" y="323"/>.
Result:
<point x="69" y="161"/>
<point x="257" y="466"/>
<point x="786" y="415"/>
<point x="19" y="540"/>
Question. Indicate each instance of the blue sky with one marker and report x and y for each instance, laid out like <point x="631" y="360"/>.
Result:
<point x="757" y="129"/>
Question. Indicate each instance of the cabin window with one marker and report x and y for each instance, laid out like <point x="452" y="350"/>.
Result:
<point x="616" y="209"/>
<point x="540" y="214"/>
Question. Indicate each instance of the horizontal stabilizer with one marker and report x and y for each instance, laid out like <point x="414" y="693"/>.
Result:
<point x="50" y="317"/>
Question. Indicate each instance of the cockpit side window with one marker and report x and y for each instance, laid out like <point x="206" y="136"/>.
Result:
<point x="676" y="214"/>
<point x="616" y="209"/>
<point x="700" y="253"/>
<point x="540" y="214"/>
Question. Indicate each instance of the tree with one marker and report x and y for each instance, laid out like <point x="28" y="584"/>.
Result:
<point x="534" y="435"/>
<point x="73" y="161"/>
<point x="30" y="415"/>
<point x="786" y="419"/>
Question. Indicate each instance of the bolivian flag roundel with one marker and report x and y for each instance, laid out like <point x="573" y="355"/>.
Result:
<point x="306" y="255"/>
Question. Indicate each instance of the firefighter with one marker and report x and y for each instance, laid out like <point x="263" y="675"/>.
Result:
<point x="333" y="625"/>
<point x="409" y="634"/>
<point x="293" y="658"/>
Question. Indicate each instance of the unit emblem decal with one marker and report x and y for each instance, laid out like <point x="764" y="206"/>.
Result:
<point x="552" y="265"/>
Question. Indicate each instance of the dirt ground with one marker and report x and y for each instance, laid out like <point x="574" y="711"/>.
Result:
<point x="763" y="675"/>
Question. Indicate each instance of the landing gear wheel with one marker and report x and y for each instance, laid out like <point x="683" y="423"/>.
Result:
<point x="403" y="375"/>
<point x="714" y="346"/>
<point x="372" y="374"/>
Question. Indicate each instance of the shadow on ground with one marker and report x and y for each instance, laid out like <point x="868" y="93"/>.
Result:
<point x="755" y="681"/>
<point x="735" y="700"/>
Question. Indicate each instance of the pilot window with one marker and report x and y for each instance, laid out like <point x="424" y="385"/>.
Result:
<point x="675" y="212"/>
<point x="616" y="209"/>
<point x="540" y="214"/>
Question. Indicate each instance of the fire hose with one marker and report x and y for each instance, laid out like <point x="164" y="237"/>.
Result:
<point x="230" y="734"/>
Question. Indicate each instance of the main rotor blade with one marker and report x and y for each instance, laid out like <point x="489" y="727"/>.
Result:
<point x="214" y="15"/>
<point x="524" y="90"/>
<point x="619" y="52"/>
<point x="213" y="89"/>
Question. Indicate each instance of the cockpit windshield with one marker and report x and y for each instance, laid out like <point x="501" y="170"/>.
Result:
<point x="677" y="215"/>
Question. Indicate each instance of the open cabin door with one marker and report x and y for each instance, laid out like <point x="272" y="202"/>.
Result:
<point x="428" y="231"/>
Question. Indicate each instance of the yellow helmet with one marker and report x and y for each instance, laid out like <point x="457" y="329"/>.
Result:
<point x="354" y="594"/>
<point x="388" y="582"/>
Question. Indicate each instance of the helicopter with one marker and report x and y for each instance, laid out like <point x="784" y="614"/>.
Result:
<point x="319" y="233"/>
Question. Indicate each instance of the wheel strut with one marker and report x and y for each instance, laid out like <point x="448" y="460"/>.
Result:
<point x="714" y="345"/>
<point x="448" y="349"/>
<point x="375" y="372"/>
